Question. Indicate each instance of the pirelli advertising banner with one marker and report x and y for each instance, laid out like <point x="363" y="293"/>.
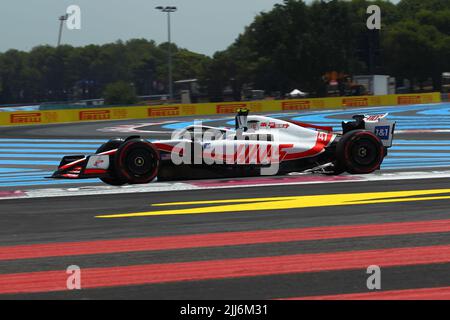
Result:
<point x="178" y="110"/>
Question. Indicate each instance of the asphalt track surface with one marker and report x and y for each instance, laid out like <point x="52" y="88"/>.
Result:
<point x="258" y="242"/>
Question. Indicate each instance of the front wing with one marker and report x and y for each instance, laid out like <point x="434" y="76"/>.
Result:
<point x="83" y="167"/>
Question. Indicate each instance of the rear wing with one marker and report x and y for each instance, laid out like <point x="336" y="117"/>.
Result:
<point x="377" y="124"/>
<point x="381" y="127"/>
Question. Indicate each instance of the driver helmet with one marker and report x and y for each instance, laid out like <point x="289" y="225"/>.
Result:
<point x="253" y="125"/>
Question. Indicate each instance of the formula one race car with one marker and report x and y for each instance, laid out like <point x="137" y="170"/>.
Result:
<point x="258" y="145"/>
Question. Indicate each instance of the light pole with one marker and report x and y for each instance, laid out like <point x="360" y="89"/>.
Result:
<point x="61" y="23"/>
<point x="169" y="10"/>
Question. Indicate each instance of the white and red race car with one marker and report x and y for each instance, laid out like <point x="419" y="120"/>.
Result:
<point x="258" y="145"/>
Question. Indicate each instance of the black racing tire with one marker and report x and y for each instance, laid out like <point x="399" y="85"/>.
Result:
<point x="112" y="144"/>
<point x="360" y="152"/>
<point x="137" y="161"/>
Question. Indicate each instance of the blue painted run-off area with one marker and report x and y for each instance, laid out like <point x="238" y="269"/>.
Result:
<point x="26" y="162"/>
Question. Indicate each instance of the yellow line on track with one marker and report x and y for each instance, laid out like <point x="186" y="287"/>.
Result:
<point x="294" y="202"/>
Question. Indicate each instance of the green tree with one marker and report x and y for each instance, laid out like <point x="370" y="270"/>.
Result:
<point x="296" y="43"/>
<point x="291" y="46"/>
<point x="119" y="93"/>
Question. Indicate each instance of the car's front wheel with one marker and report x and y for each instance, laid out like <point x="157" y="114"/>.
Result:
<point x="137" y="161"/>
<point x="113" y="179"/>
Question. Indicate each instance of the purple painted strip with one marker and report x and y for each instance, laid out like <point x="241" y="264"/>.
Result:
<point x="10" y="194"/>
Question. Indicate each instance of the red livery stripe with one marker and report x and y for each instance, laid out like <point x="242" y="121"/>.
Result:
<point x="94" y="171"/>
<point x="67" y="166"/>
<point x="312" y="126"/>
<point x="319" y="147"/>
<point x="164" y="147"/>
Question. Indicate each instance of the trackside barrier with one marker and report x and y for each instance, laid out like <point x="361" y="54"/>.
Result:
<point x="145" y="112"/>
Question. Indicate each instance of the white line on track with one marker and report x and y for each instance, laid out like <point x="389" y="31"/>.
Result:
<point x="181" y="186"/>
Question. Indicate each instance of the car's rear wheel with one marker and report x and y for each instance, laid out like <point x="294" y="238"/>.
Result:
<point x="359" y="152"/>
<point x="113" y="179"/>
<point x="137" y="161"/>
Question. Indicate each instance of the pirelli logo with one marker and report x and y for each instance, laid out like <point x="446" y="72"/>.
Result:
<point x="296" y="105"/>
<point x="356" y="102"/>
<point x="229" y="108"/>
<point x="95" y="115"/>
<point x="409" y="100"/>
<point x="26" y="118"/>
<point x="163" y="112"/>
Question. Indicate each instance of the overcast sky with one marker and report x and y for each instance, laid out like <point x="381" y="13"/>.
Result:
<point x="204" y="26"/>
